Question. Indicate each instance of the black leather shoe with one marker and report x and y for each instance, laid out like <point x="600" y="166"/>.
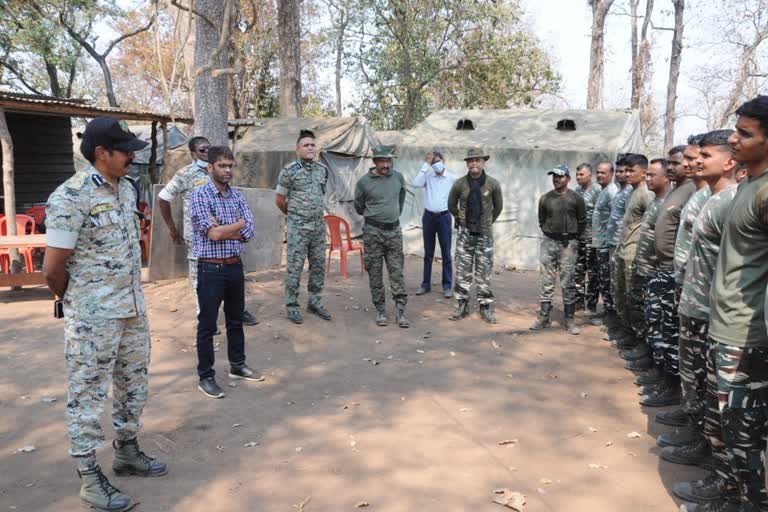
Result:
<point x="640" y="365"/>
<point x="652" y="376"/>
<point x="670" y="396"/>
<point x="675" y="418"/>
<point x="708" y="489"/>
<point x="680" y="436"/>
<point x="640" y="351"/>
<point x="688" y="455"/>
<point x="249" y="318"/>
<point x="210" y="388"/>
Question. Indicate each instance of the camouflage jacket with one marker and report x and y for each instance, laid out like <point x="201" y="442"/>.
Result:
<point x="601" y="214"/>
<point x="590" y="198"/>
<point x="613" y="232"/>
<point x="303" y="184"/>
<point x="685" y="231"/>
<point x="182" y="184"/>
<point x="705" y="246"/>
<point x="101" y="226"/>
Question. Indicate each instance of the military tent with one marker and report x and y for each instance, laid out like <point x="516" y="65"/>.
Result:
<point x="524" y="145"/>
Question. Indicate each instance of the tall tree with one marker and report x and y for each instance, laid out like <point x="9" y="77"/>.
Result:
<point x="289" y="36"/>
<point x="600" y="9"/>
<point x="670" y="113"/>
<point x="342" y="14"/>
<point x="641" y="51"/>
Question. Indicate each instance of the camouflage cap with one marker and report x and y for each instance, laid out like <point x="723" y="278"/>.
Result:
<point x="477" y="153"/>
<point x="383" y="151"/>
<point x="560" y="170"/>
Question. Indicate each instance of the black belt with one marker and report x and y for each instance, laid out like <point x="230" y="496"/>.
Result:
<point x="220" y="261"/>
<point x="436" y="214"/>
<point x="564" y="237"/>
<point x="383" y="225"/>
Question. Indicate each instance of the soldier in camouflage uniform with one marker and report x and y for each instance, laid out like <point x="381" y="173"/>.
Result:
<point x="717" y="168"/>
<point x="646" y="262"/>
<point x="562" y="219"/>
<point x="182" y="184"/>
<point x="300" y="194"/>
<point x="93" y="262"/>
<point x="600" y="216"/>
<point x="585" y="276"/>
<point x="379" y="198"/>
<point x="737" y="329"/>
<point x="475" y="201"/>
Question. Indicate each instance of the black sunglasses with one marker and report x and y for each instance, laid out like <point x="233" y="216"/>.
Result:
<point x="202" y="150"/>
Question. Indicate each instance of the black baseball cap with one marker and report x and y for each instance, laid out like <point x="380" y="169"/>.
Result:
<point x="111" y="133"/>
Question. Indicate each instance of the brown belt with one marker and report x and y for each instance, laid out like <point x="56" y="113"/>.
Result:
<point x="221" y="261"/>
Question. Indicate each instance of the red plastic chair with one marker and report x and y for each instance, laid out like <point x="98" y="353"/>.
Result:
<point x="37" y="213"/>
<point x="25" y="225"/>
<point x="334" y="224"/>
<point x="145" y="235"/>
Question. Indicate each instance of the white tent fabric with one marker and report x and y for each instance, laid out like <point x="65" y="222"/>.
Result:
<point x="524" y="145"/>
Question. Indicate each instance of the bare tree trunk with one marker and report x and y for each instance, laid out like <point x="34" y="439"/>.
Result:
<point x="635" y="98"/>
<point x="211" y="89"/>
<point x="9" y="189"/>
<point x="600" y="10"/>
<point x="641" y="54"/>
<point x="670" y="115"/>
<point x="289" y="37"/>
<point x="339" y="55"/>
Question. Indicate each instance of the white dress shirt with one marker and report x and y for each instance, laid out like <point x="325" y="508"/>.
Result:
<point x="438" y="186"/>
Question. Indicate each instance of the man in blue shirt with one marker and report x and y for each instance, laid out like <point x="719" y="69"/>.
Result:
<point x="436" y="220"/>
<point x="222" y="223"/>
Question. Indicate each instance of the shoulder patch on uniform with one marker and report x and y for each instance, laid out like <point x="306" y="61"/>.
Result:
<point x="201" y="181"/>
<point x="76" y="182"/>
<point x="183" y="170"/>
<point x="99" y="208"/>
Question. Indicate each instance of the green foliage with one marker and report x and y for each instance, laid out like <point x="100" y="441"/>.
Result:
<point x="419" y="56"/>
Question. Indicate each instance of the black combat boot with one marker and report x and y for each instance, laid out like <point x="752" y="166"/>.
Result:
<point x="542" y="320"/>
<point x="462" y="310"/>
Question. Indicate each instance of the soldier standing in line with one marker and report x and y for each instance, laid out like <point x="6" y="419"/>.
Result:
<point x="600" y="217"/>
<point x="182" y="184"/>
<point x="737" y="327"/>
<point x="379" y="198"/>
<point x="562" y="219"/>
<point x="93" y="263"/>
<point x="300" y="194"/>
<point x="618" y="333"/>
<point x="632" y="307"/>
<point x="717" y="168"/>
<point x="585" y="277"/>
<point x="475" y="201"/>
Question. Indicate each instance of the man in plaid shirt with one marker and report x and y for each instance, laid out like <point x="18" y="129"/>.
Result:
<point x="221" y="223"/>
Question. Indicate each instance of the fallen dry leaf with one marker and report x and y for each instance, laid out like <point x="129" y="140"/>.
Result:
<point x="251" y="444"/>
<point x="419" y="351"/>
<point x="545" y="481"/>
<point x="495" y="345"/>
<point x="173" y="310"/>
<point x="26" y="449"/>
<point x="362" y="504"/>
<point x="232" y="384"/>
<point x="465" y="409"/>
<point x="596" y="466"/>
<point x="49" y="400"/>
<point x="592" y="429"/>
<point x="300" y="506"/>
<point x="508" y="441"/>
<point x="509" y="499"/>
<point x="608" y="443"/>
<point x="633" y="435"/>
<point x="219" y="447"/>
<point x="632" y="454"/>
<point x="299" y="449"/>
<point x="584" y="394"/>
<point x="235" y="425"/>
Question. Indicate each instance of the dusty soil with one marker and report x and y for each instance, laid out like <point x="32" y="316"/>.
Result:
<point x="420" y="430"/>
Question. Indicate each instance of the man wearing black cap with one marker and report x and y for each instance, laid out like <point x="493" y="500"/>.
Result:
<point x="562" y="219"/>
<point x="93" y="263"/>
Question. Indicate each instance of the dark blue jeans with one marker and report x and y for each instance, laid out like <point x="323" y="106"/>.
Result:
<point x="440" y="225"/>
<point x="216" y="283"/>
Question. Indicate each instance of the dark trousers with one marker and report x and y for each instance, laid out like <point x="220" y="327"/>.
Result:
<point x="216" y="283"/>
<point x="439" y="225"/>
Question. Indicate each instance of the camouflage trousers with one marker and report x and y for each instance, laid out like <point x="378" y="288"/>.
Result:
<point x="692" y="348"/>
<point x="474" y="262"/>
<point x="604" y="278"/>
<point x="304" y="245"/>
<point x="634" y="314"/>
<point x="619" y="285"/>
<point x="742" y="397"/>
<point x="384" y="245"/>
<point x="652" y="316"/>
<point x="585" y="276"/>
<point x="669" y="293"/>
<point x="192" y="274"/>
<point x="558" y="256"/>
<point x="98" y="352"/>
<point x="712" y="425"/>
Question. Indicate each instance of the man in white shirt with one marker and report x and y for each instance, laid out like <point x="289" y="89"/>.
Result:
<point x="436" y="219"/>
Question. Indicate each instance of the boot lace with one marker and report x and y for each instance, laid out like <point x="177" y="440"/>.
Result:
<point x="140" y="454"/>
<point x="106" y="487"/>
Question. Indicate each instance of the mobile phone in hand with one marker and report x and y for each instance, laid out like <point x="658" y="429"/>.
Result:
<point x="58" y="309"/>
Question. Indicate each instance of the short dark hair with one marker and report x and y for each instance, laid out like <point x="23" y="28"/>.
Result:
<point x="676" y="149"/>
<point x="756" y="108"/>
<point x="438" y="154"/>
<point x="216" y="153"/>
<point x="584" y="166"/>
<point x="694" y="140"/>
<point x="621" y="160"/>
<point x="716" y="138"/>
<point x="605" y="162"/>
<point x="662" y="161"/>
<point x="196" y="141"/>
<point x="641" y="160"/>
<point x="303" y="134"/>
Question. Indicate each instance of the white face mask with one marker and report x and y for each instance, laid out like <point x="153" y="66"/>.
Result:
<point x="202" y="164"/>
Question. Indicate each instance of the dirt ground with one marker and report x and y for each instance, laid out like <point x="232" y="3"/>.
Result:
<point x="403" y="420"/>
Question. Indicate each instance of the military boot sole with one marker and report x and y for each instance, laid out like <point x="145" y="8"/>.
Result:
<point x="666" y="418"/>
<point x="670" y="455"/>
<point x="137" y="472"/>
<point x="634" y="354"/>
<point x="91" y="506"/>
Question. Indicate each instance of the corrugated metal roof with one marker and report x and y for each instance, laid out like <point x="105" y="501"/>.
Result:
<point x="19" y="102"/>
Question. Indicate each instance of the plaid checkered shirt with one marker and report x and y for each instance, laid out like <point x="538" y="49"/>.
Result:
<point x="207" y="203"/>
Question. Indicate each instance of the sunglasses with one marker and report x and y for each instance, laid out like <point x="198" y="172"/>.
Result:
<point x="202" y="150"/>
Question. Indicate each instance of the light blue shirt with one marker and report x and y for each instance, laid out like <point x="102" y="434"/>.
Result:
<point x="437" y="187"/>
